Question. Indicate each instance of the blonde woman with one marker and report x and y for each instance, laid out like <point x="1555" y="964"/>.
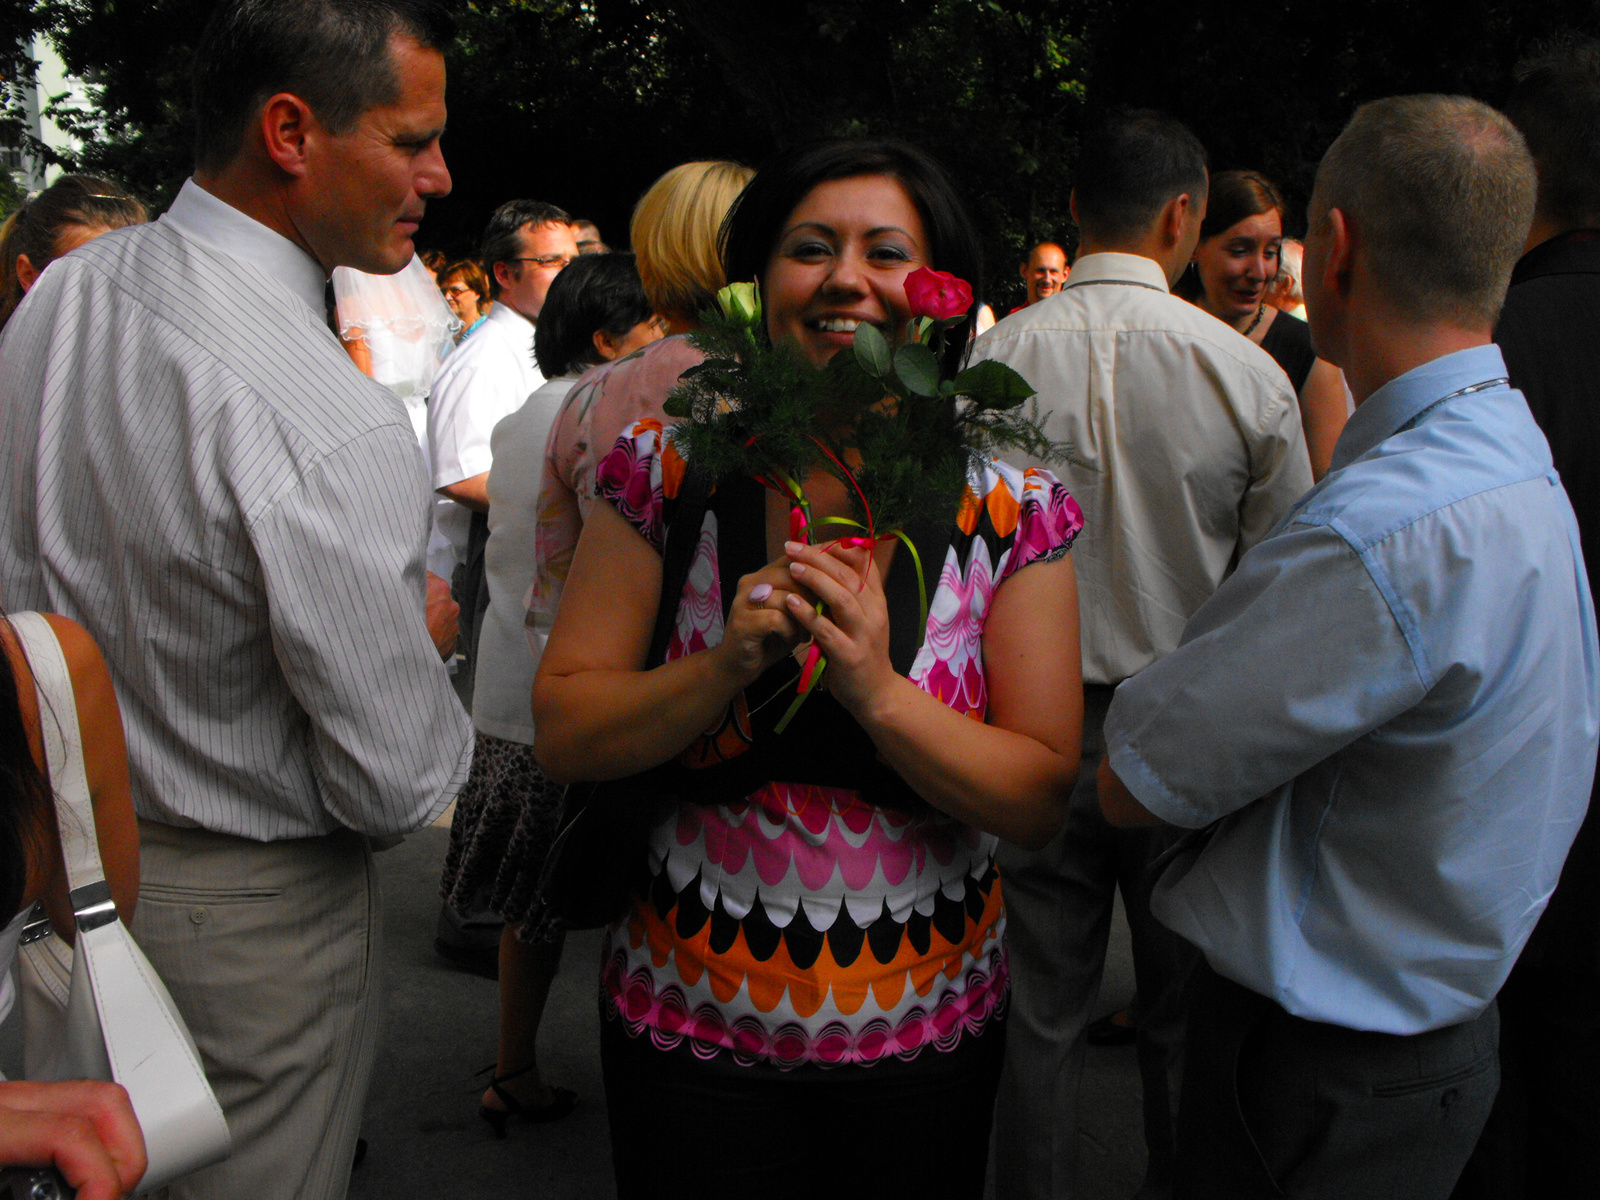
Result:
<point x="674" y="232"/>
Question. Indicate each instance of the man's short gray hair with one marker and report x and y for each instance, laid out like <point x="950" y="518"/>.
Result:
<point x="1440" y="192"/>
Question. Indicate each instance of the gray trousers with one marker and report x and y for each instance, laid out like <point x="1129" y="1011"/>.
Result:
<point x="270" y="951"/>
<point x="1275" y="1105"/>
<point x="1059" y="902"/>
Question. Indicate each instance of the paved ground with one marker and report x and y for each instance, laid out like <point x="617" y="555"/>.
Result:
<point x="426" y="1139"/>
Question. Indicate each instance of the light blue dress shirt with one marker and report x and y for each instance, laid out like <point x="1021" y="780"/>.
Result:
<point x="1391" y="708"/>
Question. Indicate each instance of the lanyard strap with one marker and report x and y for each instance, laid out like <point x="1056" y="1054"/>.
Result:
<point x="1483" y="385"/>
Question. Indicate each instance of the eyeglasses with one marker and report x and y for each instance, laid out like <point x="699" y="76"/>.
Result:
<point x="558" y="261"/>
<point x="457" y="290"/>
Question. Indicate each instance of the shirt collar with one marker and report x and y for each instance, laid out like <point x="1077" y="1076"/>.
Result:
<point x="197" y="214"/>
<point x="503" y="314"/>
<point x="1576" y="252"/>
<point x="1111" y="267"/>
<point x="1403" y="399"/>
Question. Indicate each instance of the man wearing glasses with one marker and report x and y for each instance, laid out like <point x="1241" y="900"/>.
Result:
<point x="486" y="378"/>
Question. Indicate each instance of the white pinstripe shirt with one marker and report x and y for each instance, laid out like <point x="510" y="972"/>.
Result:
<point x="192" y="468"/>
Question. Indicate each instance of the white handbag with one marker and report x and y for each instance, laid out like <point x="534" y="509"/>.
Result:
<point x="100" y="1011"/>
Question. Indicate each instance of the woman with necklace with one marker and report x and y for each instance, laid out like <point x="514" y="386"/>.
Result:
<point x="1234" y="264"/>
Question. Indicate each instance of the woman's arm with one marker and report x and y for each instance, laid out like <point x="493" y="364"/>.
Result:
<point x="1323" y="412"/>
<point x="1011" y="776"/>
<point x="105" y="757"/>
<point x="597" y="715"/>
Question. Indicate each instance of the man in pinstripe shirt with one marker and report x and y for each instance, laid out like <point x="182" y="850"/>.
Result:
<point x="194" y="470"/>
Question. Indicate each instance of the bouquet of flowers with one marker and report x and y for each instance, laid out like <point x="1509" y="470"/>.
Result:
<point x="886" y="419"/>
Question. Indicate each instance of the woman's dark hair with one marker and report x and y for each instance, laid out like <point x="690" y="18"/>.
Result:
<point x="333" y="54"/>
<point x="35" y="229"/>
<point x="24" y="794"/>
<point x="757" y="218"/>
<point x="1236" y="196"/>
<point x="594" y="292"/>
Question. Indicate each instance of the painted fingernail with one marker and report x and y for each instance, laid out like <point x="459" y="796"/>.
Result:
<point x="760" y="592"/>
<point x="797" y="568"/>
<point x="794" y="601"/>
<point x="793" y="547"/>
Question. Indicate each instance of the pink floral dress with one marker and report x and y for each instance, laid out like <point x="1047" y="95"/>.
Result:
<point x="822" y="915"/>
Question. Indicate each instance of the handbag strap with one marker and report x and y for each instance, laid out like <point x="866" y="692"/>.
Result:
<point x="677" y="556"/>
<point x="69" y="780"/>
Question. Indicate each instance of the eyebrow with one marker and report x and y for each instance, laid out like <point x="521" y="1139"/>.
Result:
<point x="426" y="135"/>
<point x="831" y="230"/>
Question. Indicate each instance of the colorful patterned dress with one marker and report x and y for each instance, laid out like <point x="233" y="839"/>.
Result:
<point x="804" y="906"/>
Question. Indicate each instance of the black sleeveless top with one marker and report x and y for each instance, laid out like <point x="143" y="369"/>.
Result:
<point x="1288" y="340"/>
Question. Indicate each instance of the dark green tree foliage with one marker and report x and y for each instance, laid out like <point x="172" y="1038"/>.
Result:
<point x="585" y="103"/>
<point x="135" y="57"/>
<point x="993" y="90"/>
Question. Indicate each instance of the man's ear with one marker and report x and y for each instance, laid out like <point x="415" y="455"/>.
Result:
<point x="1341" y="253"/>
<point x="1174" y="217"/>
<point x="26" y="275"/>
<point x="286" y="123"/>
<point x="503" y="275"/>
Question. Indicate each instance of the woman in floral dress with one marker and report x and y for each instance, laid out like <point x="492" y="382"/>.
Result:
<point x="808" y="994"/>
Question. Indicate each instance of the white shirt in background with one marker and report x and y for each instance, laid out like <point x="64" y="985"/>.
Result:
<point x="508" y="655"/>
<point x="485" y="379"/>
<point x="1186" y="448"/>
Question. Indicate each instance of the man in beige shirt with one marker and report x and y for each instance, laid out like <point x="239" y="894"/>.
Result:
<point x="1185" y="450"/>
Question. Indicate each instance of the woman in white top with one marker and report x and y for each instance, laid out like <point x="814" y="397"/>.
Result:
<point x="85" y="1129"/>
<point x="506" y="815"/>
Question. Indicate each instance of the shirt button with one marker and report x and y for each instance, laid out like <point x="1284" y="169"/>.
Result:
<point x="197" y="915"/>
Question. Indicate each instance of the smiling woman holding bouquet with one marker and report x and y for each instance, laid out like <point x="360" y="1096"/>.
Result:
<point x="808" y="990"/>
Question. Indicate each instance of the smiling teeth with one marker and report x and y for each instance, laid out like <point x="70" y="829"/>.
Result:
<point x="839" y="326"/>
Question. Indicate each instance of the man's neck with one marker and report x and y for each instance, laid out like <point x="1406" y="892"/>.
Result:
<point x="1149" y="245"/>
<point x="502" y="302"/>
<point x="257" y="199"/>
<point x="1385" y="348"/>
<point x="1546" y="227"/>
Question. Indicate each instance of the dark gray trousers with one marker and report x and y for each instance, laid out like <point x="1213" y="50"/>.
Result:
<point x="1274" y="1105"/>
<point x="1059" y="902"/>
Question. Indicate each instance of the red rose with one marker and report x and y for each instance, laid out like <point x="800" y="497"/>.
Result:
<point x="937" y="294"/>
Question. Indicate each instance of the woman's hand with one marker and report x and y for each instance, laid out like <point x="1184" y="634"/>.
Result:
<point x="854" y="630"/>
<point x="760" y="629"/>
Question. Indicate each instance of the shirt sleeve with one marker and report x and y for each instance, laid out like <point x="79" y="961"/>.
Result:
<point x="1293" y="658"/>
<point x="342" y="560"/>
<point x="636" y="479"/>
<point x="458" y="439"/>
<point x="1280" y="466"/>
<point x="1048" y="521"/>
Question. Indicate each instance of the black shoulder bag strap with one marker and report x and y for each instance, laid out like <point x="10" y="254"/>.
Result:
<point x="598" y="854"/>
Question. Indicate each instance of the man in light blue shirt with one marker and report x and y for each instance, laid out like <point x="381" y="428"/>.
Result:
<point x="1386" y="719"/>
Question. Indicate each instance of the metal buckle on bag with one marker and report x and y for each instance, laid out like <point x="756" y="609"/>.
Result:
<point x="37" y="927"/>
<point x="92" y="905"/>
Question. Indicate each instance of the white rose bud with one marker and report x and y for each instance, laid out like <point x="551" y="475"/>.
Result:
<point x="742" y="302"/>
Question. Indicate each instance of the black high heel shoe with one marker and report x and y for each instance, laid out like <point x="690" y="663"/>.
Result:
<point x="562" y="1102"/>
